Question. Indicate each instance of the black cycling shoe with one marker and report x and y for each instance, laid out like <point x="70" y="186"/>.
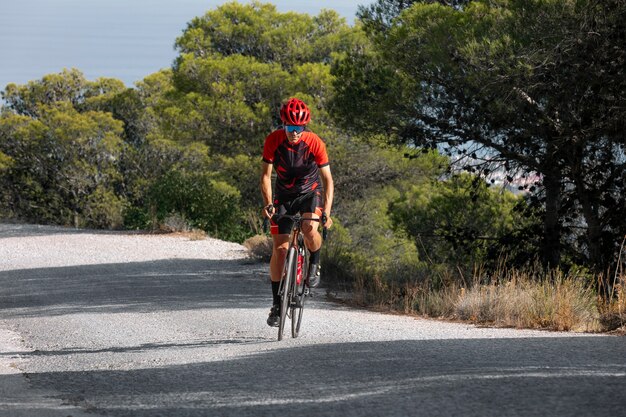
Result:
<point x="314" y="275"/>
<point x="274" y="317"/>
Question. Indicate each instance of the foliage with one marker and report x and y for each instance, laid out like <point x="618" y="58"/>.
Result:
<point x="58" y="161"/>
<point x="257" y="30"/>
<point x="223" y="102"/>
<point x="208" y="114"/>
<point x="377" y="17"/>
<point x="68" y="86"/>
<point x="408" y="222"/>
<point x="241" y="172"/>
<point x="237" y="63"/>
<point x="5" y="161"/>
<point x="459" y="221"/>
<point x="365" y="248"/>
<point x="201" y="201"/>
<point x="526" y="85"/>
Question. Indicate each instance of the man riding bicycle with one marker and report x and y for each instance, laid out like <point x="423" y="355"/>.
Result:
<point x="300" y="160"/>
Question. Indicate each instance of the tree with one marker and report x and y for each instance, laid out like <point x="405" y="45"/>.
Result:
<point x="502" y="82"/>
<point x="237" y="63"/>
<point x="64" y="166"/>
<point x="460" y="221"/>
<point x="377" y="18"/>
<point x="224" y="102"/>
<point x="257" y="30"/>
<point x="67" y="86"/>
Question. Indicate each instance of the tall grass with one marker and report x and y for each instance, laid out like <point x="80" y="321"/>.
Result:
<point x="557" y="303"/>
<point x="520" y="299"/>
<point x="613" y="307"/>
<point x="533" y="298"/>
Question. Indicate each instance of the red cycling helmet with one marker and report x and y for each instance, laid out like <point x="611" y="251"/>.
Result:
<point x="295" y="112"/>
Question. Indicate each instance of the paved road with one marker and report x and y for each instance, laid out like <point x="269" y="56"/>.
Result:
<point x="187" y="337"/>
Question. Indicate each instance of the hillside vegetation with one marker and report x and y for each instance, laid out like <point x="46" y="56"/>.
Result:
<point x="478" y="149"/>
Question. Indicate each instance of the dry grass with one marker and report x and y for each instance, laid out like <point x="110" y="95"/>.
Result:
<point x="518" y="299"/>
<point x="260" y="247"/>
<point x="613" y="309"/>
<point x="197" y="234"/>
<point x="562" y="303"/>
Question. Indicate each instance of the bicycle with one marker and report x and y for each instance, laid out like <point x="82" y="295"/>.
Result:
<point x="294" y="285"/>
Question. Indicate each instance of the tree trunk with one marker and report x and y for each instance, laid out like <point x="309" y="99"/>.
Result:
<point x="596" y="253"/>
<point x="551" y="245"/>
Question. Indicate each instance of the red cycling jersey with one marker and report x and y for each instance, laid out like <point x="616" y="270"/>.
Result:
<point x="296" y="164"/>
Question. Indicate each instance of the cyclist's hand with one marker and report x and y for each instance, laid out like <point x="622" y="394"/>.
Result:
<point x="268" y="211"/>
<point x="328" y="222"/>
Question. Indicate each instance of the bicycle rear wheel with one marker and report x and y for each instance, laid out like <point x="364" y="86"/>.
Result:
<point x="286" y="290"/>
<point x="299" y="293"/>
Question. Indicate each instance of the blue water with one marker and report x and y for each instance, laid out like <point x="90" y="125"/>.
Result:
<point x="124" y="39"/>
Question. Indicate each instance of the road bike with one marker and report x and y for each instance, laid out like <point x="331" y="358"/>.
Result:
<point x="294" y="286"/>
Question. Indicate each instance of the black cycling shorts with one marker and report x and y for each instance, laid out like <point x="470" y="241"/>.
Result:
<point x="305" y="203"/>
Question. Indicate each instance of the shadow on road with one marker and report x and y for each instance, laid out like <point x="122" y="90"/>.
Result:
<point x="484" y="377"/>
<point x="134" y="287"/>
<point x="144" y="347"/>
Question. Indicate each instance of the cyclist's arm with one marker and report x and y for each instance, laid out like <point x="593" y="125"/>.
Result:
<point x="329" y="191"/>
<point x="266" y="183"/>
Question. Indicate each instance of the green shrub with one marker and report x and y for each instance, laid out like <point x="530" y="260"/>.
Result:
<point x="204" y="203"/>
<point x="103" y="209"/>
<point x="137" y="218"/>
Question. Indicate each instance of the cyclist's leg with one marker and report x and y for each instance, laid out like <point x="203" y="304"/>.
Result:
<point x="279" y="251"/>
<point x="312" y="237"/>
<point x="280" y="238"/>
<point x="313" y="242"/>
<point x="312" y="208"/>
<point x="280" y="244"/>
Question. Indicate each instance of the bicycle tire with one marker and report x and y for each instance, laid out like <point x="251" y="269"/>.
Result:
<point x="285" y="299"/>
<point x="298" y="291"/>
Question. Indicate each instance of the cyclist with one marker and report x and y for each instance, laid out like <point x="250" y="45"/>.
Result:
<point x="300" y="160"/>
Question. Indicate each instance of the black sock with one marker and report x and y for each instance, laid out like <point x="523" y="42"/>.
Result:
<point x="315" y="257"/>
<point x="275" y="288"/>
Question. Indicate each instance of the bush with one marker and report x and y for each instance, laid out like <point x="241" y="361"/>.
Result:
<point x="200" y="201"/>
<point x="137" y="218"/>
<point x="103" y="209"/>
<point x="260" y="247"/>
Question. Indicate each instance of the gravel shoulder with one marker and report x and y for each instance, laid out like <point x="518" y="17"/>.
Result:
<point x="123" y="324"/>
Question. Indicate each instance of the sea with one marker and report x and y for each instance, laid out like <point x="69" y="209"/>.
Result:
<point x="123" y="39"/>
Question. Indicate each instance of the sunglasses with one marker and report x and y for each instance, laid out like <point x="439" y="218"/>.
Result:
<point x="293" y="128"/>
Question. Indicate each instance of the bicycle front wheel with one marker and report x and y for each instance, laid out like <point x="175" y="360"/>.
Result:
<point x="285" y="293"/>
<point x="299" y="294"/>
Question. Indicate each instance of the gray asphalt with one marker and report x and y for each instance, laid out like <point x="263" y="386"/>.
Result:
<point x="187" y="337"/>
